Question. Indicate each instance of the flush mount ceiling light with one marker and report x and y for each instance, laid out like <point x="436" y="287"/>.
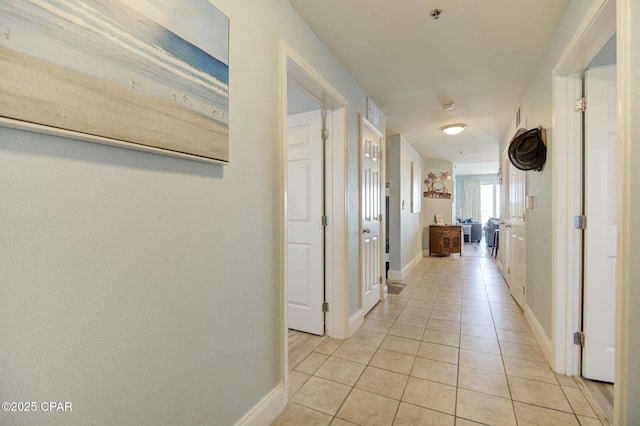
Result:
<point x="453" y="129"/>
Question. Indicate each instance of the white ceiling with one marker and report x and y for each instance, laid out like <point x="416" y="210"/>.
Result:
<point x="480" y="54"/>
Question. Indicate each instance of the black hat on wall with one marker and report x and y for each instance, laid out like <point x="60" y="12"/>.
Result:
<point x="528" y="149"/>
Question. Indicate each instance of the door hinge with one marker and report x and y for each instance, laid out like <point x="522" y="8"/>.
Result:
<point x="578" y="338"/>
<point x="380" y="217"/>
<point x="325" y="134"/>
<point x="581" y="104"/>
<point x="580" y="222"/>
<point x="325" y="220"/>
<point x="380" y="280"/>
<point x="325" y="306"/>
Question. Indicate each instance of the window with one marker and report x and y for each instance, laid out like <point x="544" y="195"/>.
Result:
<point x="489" y="201"/>
<point x="486" y="203"/>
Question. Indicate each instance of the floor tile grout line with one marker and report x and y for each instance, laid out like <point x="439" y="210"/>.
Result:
<point x="443" y="287"/>
<point x="513" y="400"/>
<point x="513" y="404"/>
<point x="395" y="414"/>
<point x="409" y="375"/>
<point x="349" y="393"/>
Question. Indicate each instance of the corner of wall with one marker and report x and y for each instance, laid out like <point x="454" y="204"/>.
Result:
<point x="355" y="322"/>
<point x="266" y="411"/>
<point x="538" y="332"/>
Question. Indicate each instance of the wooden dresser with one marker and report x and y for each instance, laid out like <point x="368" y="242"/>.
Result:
<point x="445" y="239"/>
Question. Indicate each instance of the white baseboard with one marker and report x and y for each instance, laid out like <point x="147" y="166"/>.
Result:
<point x="266" y="411"/>
<point x="401" y="275"/>
<point x="355" y="322"/>
<point x="500" y="268"/>
<point x="543" y="340"/>
<point x="394" y="275"/>
<point x="412" y="264"/>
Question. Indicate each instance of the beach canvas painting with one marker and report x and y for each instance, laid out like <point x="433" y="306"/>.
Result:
<point x="148" y="73"/>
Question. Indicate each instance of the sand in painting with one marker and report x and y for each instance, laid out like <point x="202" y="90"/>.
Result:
<point x="37" y="91"/>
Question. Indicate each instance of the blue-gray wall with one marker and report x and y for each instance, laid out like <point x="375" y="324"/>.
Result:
<point x="147" y="289"/>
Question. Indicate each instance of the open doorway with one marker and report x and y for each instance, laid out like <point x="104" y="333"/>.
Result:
<point x="478" y="200"/>
<point x="306" y="138"/>
<point x="576" y="168"/>
<point x="314" y="213"/>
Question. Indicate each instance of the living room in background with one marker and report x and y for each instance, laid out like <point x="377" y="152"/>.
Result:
<point x="483" y="192"/>
<point x="484" y="179"/>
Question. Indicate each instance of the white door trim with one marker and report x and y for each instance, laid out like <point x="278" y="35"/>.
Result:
<point x="566" y="246"/>
<point x="594" y="31"/>
<point x="336" y="243"/>
<point x="624" y="406"/>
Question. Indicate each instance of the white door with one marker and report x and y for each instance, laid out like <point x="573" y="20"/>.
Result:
<point x="305" y="263"/>
<point x="371" y="246"/>
<point x="516" y="234"/>
<point x="602" y="184"/>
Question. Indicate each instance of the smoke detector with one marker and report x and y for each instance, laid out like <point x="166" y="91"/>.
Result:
<point x="435" y="13"/>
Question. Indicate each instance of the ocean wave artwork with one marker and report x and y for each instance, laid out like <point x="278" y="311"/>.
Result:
<point x="153" y="73"/>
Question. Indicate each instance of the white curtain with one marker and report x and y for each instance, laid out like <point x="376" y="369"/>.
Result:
<point x="471" y="200"/>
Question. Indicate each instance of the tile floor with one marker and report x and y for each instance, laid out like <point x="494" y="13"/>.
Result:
<point x="452" y="348"/>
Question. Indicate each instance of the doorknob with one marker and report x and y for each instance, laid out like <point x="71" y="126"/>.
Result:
<point x="507" y="225"/>
<point x="366" y="230"/>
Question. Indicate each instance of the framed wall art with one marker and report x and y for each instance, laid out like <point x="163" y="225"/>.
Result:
<point x="437" y="185"/>
<point x="151" y="75"/>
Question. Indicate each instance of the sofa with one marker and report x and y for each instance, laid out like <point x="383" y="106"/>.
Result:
<point x="490" y="229"/>
<point x="475" y="234"/>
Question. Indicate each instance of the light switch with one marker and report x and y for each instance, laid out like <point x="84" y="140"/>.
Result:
<point x="529" y="202"/>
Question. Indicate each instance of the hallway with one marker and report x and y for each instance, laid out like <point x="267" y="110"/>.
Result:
<point x="452" y="348"/>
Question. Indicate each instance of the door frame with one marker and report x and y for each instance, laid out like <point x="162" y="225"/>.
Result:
<point x="336" y="197"/>
<point x="595" y="30"/>
<point x="502" y="258"/>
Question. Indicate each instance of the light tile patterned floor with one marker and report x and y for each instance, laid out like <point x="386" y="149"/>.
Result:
<point x="452" y="348"/>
